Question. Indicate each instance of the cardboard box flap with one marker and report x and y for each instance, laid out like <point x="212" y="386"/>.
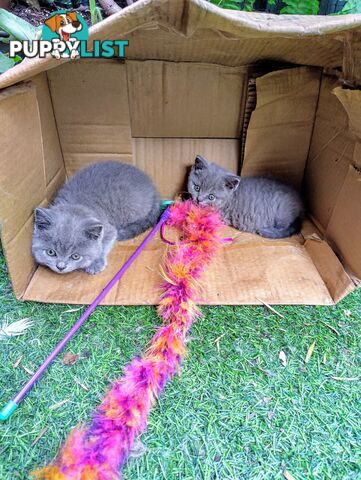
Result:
<point x="330" y="268"/>
<point x="330" y="155"/>
<point x="279" y="132"/>
<point x="277" y="35"/>
<point x="344" y="228"/>
<point x="351" y="101"/>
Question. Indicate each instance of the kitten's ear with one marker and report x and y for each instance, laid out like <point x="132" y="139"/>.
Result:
<point x="200" y="163"/>
<point x="42" y="218"/>
<point x="93" y="231"/>
<point x="231" y="181"/>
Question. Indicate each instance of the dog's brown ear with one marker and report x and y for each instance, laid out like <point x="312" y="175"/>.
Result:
<point x="72" y="15"/>
<point x="52" y="23"/>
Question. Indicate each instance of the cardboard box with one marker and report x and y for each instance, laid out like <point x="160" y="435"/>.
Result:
<point x="184" y="89"/>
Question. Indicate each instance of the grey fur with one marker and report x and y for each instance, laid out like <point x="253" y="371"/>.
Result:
<point x="251" y="204"/>
<point x="102" y="203"/>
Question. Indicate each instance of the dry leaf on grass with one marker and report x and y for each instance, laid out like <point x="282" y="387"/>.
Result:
<point x="14" y="329"/>
<point x="71" y="310"/>
<point x="70" y="358"/>
<point x="347" y="313"/>
<point x="347" y="379"/>
<point x="43" y="432"/>
<point x="288" y="475"/>
<point x="216" y="341"/>
<point x="18" y="361"/>
<point x="270" y="308"/>
<point x="330" y="327"/>
<point x="283" y="358"/>
<point x="59" y="404"/>
<point x="84" y="387"/>
<point x="27" y="370"/>
<point x="324" y="359"/>
<point x="310" y="352"/>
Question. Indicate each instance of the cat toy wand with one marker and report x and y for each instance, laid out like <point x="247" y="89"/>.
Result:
<point x="13" y="404"/>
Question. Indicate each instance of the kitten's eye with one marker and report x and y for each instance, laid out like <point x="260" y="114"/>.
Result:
<point x="75" y="256"/>
<point x="211" y="197"/>
<point x="51" y="252"/>
<point x="197" y="188"/>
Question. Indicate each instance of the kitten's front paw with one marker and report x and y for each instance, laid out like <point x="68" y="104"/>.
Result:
<point x="96" y="267"/>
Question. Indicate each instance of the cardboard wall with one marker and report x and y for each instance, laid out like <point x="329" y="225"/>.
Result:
<point x="155" y="115"/>
<point x="191" y="100"/>
<point x="90" y="100"/>
<point x="168" y="160"/>
<point x="279" y="132"/>
<point x="332" y="177"/>
<point x="27" y="178"/>
<point x="330" y="155"/>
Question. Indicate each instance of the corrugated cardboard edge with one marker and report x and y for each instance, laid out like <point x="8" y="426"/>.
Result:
<point x="187" y="16"/>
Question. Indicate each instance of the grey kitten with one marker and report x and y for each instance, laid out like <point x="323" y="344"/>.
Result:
<point x="251" y="204"/>
<point x="102" y="203"/>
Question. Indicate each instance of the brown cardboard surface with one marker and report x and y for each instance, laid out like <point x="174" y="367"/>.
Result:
<point x="176" y="99"/>
<point x="351" y="101"/>
<point x="330" y="155"/>
<point x="280" y="128"/>
<point x="92" y="126"/>
<point x="249" y="271"/>
<point x="330" y="268"/>
<point x="352" y="57"/>
<point x="167" y="160"/>
<point x="344" y="228"/>
<point x="158" y="41"/>
<point x="50" y="140"/>
<point x="21" y="147"/>
<point x="20" y="263"/>
<point x="21" y="188"/>
<point x="238" y="38"/>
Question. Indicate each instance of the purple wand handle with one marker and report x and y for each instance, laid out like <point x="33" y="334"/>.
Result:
<point x="12" y="405"/>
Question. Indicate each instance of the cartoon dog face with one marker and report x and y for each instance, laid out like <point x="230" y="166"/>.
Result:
<point x="64" y="24"/>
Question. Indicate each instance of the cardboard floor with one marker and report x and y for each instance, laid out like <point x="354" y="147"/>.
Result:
<point x="251" y="270"/>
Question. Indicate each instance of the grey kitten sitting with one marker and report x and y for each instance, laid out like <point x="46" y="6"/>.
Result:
<point x="102" y="203"/>
<point x="251" y="204"/>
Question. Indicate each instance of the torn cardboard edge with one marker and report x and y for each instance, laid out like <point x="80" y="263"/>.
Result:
<point x="186" y="17"/>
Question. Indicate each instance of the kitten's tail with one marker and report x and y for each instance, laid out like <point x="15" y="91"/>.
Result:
<point x="277" y="232"/>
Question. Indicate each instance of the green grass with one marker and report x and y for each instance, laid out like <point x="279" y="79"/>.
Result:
<point x="236" y="413"/>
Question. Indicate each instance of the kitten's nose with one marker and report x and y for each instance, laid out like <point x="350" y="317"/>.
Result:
<point x="60" y="266"/>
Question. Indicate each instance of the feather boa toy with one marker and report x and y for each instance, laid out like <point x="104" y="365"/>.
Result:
<point x="97" y="452"/>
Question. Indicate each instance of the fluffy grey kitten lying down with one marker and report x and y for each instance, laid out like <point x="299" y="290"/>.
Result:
<point x="102" y="203"/>
<point x="251" y="204"/>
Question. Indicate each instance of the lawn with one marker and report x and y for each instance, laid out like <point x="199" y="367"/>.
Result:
<point x="236" y="412"/>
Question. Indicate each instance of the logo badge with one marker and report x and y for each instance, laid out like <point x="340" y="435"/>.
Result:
<point x="65" y="35"/>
